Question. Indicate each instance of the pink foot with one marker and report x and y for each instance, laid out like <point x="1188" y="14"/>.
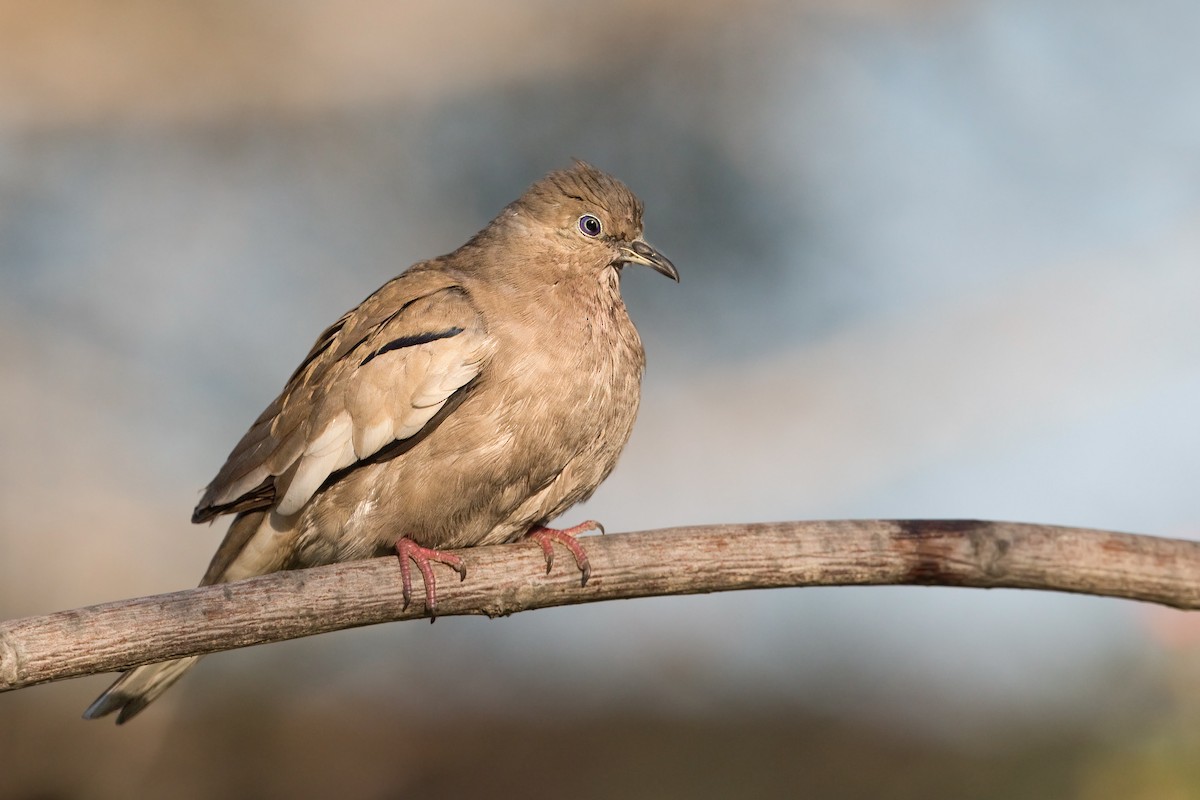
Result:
<point x="407" y="549"/>
<point x="546" y="537"/>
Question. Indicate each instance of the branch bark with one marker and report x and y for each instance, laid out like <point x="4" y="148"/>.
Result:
<point x="511" y="578"/>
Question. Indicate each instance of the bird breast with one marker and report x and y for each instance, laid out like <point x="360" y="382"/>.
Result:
<point x="569" y="349"/>
<point x="574" y="383"/>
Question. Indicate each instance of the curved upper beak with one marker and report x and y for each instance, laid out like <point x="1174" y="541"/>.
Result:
<point x="638" y="252"/>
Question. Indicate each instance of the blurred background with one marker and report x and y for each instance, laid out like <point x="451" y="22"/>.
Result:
<point x="940" y="259"/>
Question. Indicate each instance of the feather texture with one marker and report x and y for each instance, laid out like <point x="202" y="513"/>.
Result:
<point x="371" y="379"/>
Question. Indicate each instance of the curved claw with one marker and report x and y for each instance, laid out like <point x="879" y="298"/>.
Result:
<point x="408" y="550"/>
<point x="546" y="537"/>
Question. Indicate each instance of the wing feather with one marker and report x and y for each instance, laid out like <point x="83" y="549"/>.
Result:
<point x="378" y="375"/>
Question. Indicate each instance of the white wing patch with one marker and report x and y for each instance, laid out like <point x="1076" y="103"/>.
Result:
<point x="387" y="398"/>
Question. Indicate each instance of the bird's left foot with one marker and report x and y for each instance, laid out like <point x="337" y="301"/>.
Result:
<point x="546" y="537"/>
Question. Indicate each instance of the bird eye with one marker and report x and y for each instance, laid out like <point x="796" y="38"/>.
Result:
<point x="590" y="225"/>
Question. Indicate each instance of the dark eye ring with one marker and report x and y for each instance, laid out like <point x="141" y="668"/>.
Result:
<point x="590" y="225"/>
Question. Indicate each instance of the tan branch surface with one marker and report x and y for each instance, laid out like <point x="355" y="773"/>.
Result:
<point x="510" y="578"/>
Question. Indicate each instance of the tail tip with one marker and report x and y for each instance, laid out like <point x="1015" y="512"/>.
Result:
<point x="111" y="701"/>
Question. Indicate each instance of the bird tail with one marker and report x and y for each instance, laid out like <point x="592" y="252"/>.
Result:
<point x="141" y="686"/>
<point x="138" y="688"/>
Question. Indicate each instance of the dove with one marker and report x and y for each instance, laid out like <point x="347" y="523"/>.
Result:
<point x="469" y="401"/>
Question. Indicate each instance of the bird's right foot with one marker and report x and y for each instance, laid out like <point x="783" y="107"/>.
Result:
<point x="408" y="550"/>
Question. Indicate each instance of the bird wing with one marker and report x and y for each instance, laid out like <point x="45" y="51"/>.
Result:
<point x="376" y="376"/>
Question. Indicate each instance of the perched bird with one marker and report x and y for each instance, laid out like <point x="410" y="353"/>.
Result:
<point x="468" y="401"/>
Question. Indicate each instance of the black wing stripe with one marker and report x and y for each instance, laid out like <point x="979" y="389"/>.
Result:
<point x="412" y="341"/>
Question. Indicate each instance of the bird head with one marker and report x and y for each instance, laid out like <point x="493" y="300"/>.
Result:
<point x="589" y="217"/>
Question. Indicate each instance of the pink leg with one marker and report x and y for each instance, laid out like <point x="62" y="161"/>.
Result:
<point x="407" y="549"/>
<point x="546" y="537"/>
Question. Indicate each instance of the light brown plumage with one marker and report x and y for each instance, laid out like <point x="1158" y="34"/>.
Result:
<point x="468" y="401"/>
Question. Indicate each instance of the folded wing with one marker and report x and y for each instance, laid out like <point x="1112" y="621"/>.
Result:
<point x="375" y="377"/>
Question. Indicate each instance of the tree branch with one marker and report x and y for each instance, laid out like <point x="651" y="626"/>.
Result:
<point x="510" y="578"/>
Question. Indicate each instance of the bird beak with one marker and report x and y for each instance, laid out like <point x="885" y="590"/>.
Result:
<point x="638" y="252"/>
